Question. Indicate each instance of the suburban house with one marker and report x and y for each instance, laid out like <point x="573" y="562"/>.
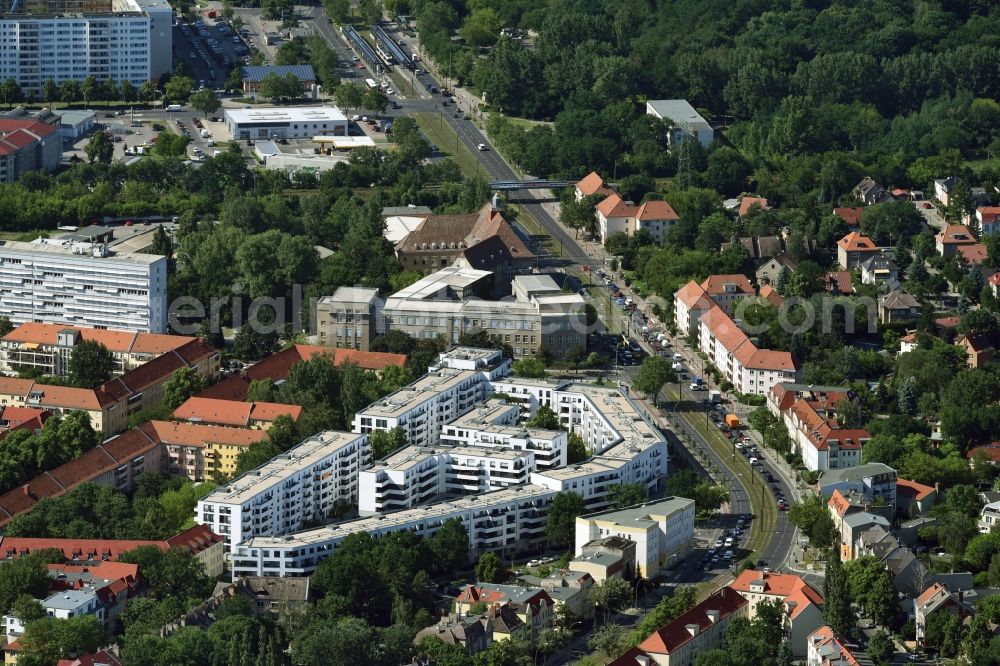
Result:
<point x="571" y="589"/>
<point x="850" y="525"/>
<point x="825" y="649"/>
<point x="533" y="606"/>
<point x="879" y="268"/>
<point x="802" y="603"/>
<point x="989" y="517"/>
<point x="700" y="629"/>
<point x="951" y="238"/>
<point x="770" y="294"/>
<point x="943" y="187"/>
<point x="758" y="247"/>
<point x="467" y="632"/>
<point x="874" y="482"/>
<point x="654" y="217"/>
<point x="937" y="599"/>
<point x="851" y="215"/>
<point x="975" y="254"/>
<point x="770" y="270"/>
<point x="839" y="283"/>
<point x="988" y="220"/>
<point x="727" y="291"/>
<point x="914" y="499"/>
<point x="855" y="248"/>
<point x="897" y="306"/>
<point x="977" y="347"/>
<point x="748" y="204"/>
<point x="614" y="215"/>
<point x="690" y="303"/>
<point x="871" y="192"/>
<point x="748" y="368"/>
<point x="590" y="184"/>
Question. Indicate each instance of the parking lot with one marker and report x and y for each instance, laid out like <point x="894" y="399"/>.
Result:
<point x="211" y="48"/>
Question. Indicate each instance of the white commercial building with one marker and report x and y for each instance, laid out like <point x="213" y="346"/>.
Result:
<point x="83" y="284"/>
<point x="686" y="123"/>
<point x="120" y="40"/>
<point x="414" y="476"/>
<point x="290" y="491"/>
<point x="662" y="531"/>
<point x="509" y="521"/>
<point x="293" y="122"/>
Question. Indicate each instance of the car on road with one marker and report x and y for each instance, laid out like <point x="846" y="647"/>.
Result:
<point x="927" y="204"/>
<point x="482" y="146"/>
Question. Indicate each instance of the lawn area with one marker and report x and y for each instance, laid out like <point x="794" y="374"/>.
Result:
<point x="443" y="136"/>
<point x="26" y="236"/>
<point x="525" y="123"/>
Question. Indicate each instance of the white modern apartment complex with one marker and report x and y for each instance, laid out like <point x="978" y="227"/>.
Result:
<point x="504" y="521"/>
<point x="414" y="476"/>
<point x="299" y="486"/>
<point x="449" y="389"/>
<point x="117" y="40"/>
<point x="494" y="425"/>
<point x="662" y="531"/>
<point x="84" y="285"/>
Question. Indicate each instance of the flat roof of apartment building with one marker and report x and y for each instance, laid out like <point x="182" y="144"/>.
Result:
<point x="639" y="514"/>
<point x="409" y="456"/>
<point x="400" y="519"/>
<point x="69" y="250"/>
<point x="299" y="457"/>
<point x="426" y="388"/>
<point x="430" y="286"/>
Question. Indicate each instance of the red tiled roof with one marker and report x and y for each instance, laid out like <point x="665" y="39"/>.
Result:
<point x="975" y="254"/>
<point x="838" y="503"/>
<point x="656" y="209"/>
<point x="724" y="329"/>
<point x="955" y="234"/>
<point x="842" y="280"/>
<point x="988" y="213"/>
<point x="269" y="411"/>
<point x="768" y="293"/>
<point x="850" y="215"/>
<point x="748" y="203"/>
<point x="917" y="491"/>
<point x="835" y="650"/>
<point x="671" y="636"/>
<point x="474" y="595"/>
<point x="855" y="242"/>
<point x="194" y="539"/>
<point x="930" y="593"/>
<point x="17" y="134"/>
<point x="102" y="658"/>
<point x="16" y="417"/>
<point x="614" y="206"/>
<point x="716" y="284"/>
<point x="592" y="183"/>
<point x="692" y="295"/>
<point x="947" y="322"/>
<point x="193" y="434"/>
<point x="789" y="587"/>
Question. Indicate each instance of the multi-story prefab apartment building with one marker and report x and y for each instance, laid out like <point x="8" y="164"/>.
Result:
<point x="495" y="425"/>
<point x="83" y="285"/>
<point x="302" y="485"/>
<point x="116" y="40"/>
<point x="507" y="521"/>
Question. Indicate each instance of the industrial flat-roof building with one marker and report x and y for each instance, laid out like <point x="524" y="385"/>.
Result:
<point x="83" y="284"/>
<point x="296" y="122"/>
<point x="687" y="123"/>
<point x="254" y="75"/>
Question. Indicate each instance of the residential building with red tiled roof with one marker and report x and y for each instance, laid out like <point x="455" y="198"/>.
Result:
<point x="769" y="294"/>
<point x="748" y="368"/>
<point x="839" y="283"/>
<point x="951" y="237"/>
<point x="28" y="145"/>
<point x="277" y="366"/>
<point x="614" y="215"/>
<point x="655" y="217"/>
<point x="198" y="540"/>
<point x="821" y="441"/>
<point x="590" y="184"/>
<point x="690" y="303"/>
<point x="697" y="630"/>
<point x="802" y="603"/>
<point x="914" y="498"/>
<point x="728" y="290"/>
<point x="202" y="452"/>
<point x="851" y="215"/>
<point x="978" y="348"/>
<point x="826" y="649"/>
<point x="974" y="255"/>
<point x="47" y="348"/>
<point x="854" y="248"/>
<point x="781" y="397"/>
<point x="21" y="418"/>
<point x="101" y="658"/>
<point x="257" y="415"/>
<point x="988" y="220"/>
<point x="937" y="599"/>
<point x="748" y="204"/>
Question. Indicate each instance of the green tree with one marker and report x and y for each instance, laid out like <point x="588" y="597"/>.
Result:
<point x="147" y="92"/>
<point x="90" y="364"/>
<point x="69" y="91"/>
<point x="249" y="345"/>
<point x="626" y="494"/>
<point x="836" y="592"/>
<point x="611" y="640"/>
<point x="100" y="149"/>
<point x="171" y="573"/>
<point x="349" y="96"/>
<point x="50" y="91"/>
<point x="11" y="91"/>
<point x="384" y="442"/>
<point x="205" y="101"/>
<point x="5" y="325"/>
<point x="490" y="569"/>
<point x="128" y="91"/>
<point x="529" y="367"/>
<point x="450" y="546"/>
<point x="545" y="419"/>
<point x="654" y="373"/>
<point x="162" y="244"/>
<point x="178" y="88"/>
<point x="813" y="518"/>
<point x="375" y="100"/>
<point x="880" y="648"/>
<point x="183" y="384"/>
<point x="89" y="88"/>
<point x="560" y="527"/>
<point x="576" y="449"/>
<point x="436" y="650"/>
<point x="611" y="596"/>
<point x="23" y="575"/>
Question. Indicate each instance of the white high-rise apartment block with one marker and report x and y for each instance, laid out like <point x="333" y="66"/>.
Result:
<point x="60" y="40"/>
<point x="414" y="476"/>
<point x="494" y="425"/>
<point x="506" y="521"/>
<point x="300" y="486"/>
<point x="83" y="285"/>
